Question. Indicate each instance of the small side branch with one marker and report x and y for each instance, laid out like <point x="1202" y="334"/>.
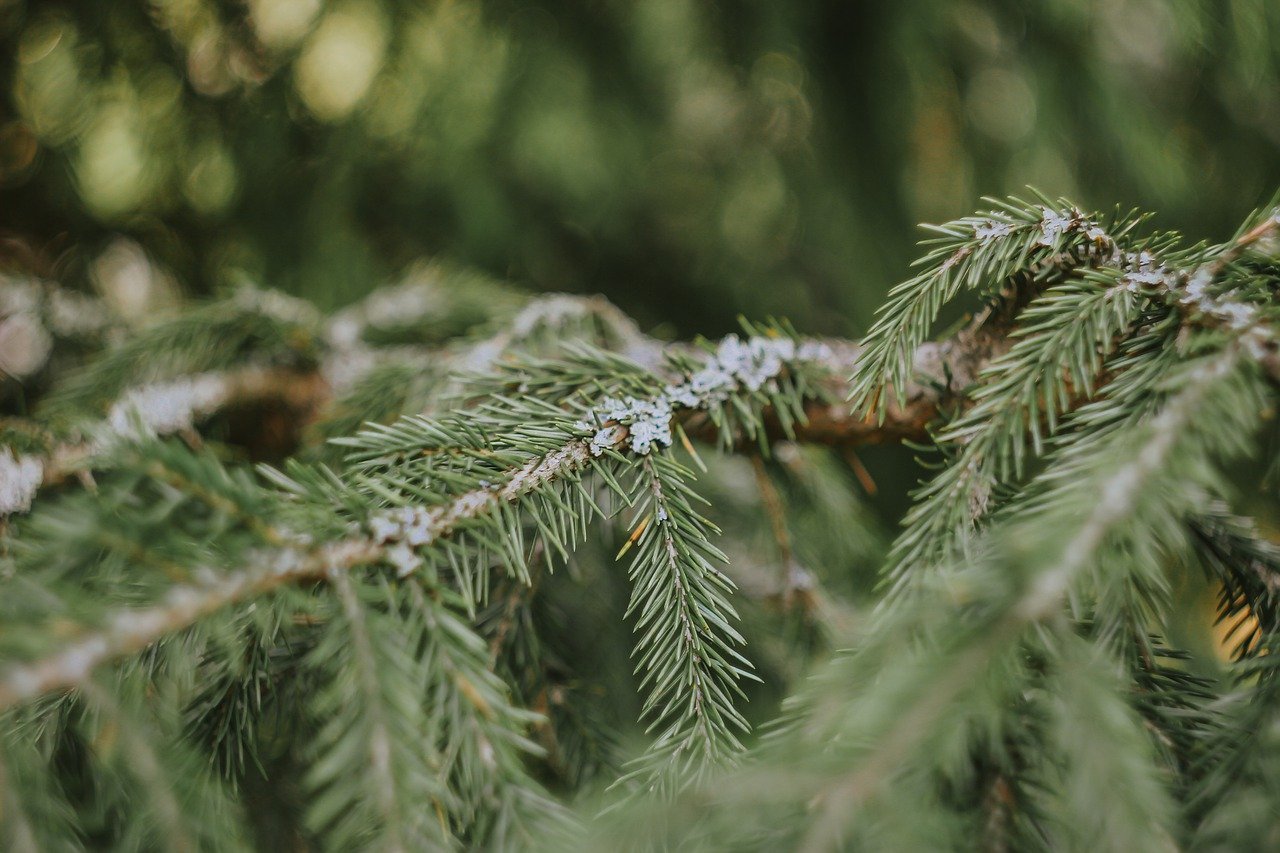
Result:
<point x="133" y="629"/>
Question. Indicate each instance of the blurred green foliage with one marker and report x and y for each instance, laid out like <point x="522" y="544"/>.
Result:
<point x="691" y="161"/>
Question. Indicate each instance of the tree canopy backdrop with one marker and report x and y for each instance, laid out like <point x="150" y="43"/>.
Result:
<point x="236" y="611"/>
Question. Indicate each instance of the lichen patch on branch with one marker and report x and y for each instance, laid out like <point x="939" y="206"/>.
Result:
<point x="163" y="408"/>
<point x="20" y="477"/>
<point x="736" y="365"/>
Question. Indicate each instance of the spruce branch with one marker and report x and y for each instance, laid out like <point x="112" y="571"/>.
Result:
<point x="690" y="668"/>
<point x="1059" y="345"/>
<point x="1120" y="490"/>
<point x="394" y="797"/>
<point x="1086" y="413"/>
<point x="36" y="813"/>
<point x="135" y="630"/>
<point x="183" y="808"/>
<point x="976" y="252"/>
<point x="130" y="630"/>
<point x="1120" y="497"/>
<point x="177" y="406"/>
<point x="1247" y="567"/>
<point x="942" y="370"/>
<point x="1050" y="368"/>
<point x="482" y="734"/>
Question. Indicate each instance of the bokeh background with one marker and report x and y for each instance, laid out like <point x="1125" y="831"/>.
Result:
<point x="691" y="160"/>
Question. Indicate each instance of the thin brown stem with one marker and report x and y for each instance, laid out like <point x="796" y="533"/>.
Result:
<point x="773" y="508"/>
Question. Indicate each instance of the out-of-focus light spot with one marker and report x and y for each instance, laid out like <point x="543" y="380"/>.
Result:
<point x="754" y="218"/>
<point x="207" y="62"/>
<point x="42" y="38"/>
<point x="281" y="24"/>
<point x="211" y="183"/>
<point x="978" y="27"/>
<point x="183" y="18"/>
<point x="1001" y="104"/>
<point x="24" y="344"/>
<point x="48" y="89"/>
<point x="112" y="162"/>
<point x="131" y="285"/>
<point x="159" y="92"/>
<point x="938" y="180"/>
<point x="707" y="105"/>
<point x="1136" y="33"/>
<point x="18" y="150"/>
<point x="450" y="68"/>
<point x="1042" y="166"/>
<point x="340" y="59"/>
<point x="779" y="80"/>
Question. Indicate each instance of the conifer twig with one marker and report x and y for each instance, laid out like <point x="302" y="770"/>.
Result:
<point x="132" y="629"/>
<point x="303" y="392"/>
<point x="1117" y="495"/>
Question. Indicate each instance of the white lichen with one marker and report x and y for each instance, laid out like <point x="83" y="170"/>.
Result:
<point x="19" y="295"/>
<point x="25" y="344"/>
<point x="344" y="367"/>
<point x="1054" y="224"/>
<point x="383" y="528"/>
<point x="552" y="313"/>
<point x="814" y="351"/>
<point x="1193" y="292"/>
<point x="73" y="314"/>
<point x="640" y="422"/>
<point x="412" y="525"/>
<point x="1143" y="270"/>
<point x="401" y="305"/>
<point x="344" y="332"/>
<point x="20" y="477"/>
<point x="277" y="305"/>
<point x="1097" y="234"/>
<point x="162" y="408"/>
<point x="1259" y="342"/>
<point x="415" y="526"/>
<point x="606" y="437"/>
<point x="405" y="560"/>
<point x="991" y="229"/>
<point x="1237" y="316"/>
<point x="753" y="364"/>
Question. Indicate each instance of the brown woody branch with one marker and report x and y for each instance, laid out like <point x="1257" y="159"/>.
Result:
<point x="942" y="369"/>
